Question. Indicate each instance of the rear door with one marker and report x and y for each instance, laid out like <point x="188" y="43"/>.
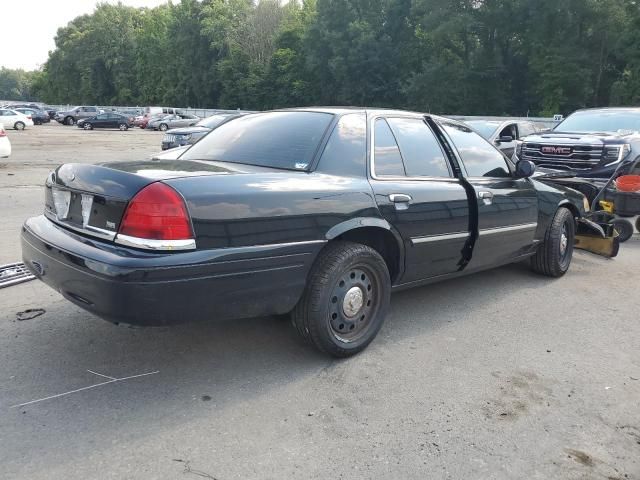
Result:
<point x="417" y="194"/>
<point x="507" y="207"/>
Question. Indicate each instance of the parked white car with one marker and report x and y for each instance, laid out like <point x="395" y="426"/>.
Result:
<point x="5" y="144"/>
<point x="12" y="119"/>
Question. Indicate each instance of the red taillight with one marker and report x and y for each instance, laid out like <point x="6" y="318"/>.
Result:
<point x="156" y="212"/>
<point x="29" y="117"/>
<point x="3" y="133"/>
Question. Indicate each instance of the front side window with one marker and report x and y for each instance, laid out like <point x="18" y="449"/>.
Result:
<point x="479" y="157"/>
<point x="286" y="140"/>
<point x="419" y="147"/>
<point x="387" y="159"/>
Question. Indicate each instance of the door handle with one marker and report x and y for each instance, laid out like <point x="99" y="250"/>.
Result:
<point x="400" y="200"/>
<point x="486" y="197"/>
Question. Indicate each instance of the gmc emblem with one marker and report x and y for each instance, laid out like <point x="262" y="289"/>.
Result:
<point x="556" y="150"/>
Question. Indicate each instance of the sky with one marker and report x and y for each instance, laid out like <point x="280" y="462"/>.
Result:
<point x="29" y="27"/>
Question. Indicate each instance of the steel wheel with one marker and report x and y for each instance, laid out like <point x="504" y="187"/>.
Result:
<point x="346" y="299"/>
<point x="354" y="302"/>
<point x="565" y="250"/>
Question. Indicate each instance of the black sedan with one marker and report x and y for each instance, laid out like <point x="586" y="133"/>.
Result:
<point x="319" y="213"/>
<point x="178" y="137"/>
<point x="106" y="120"/>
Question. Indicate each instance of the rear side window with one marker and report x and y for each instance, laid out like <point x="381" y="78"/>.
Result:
<point x="419" y="147"/>
<point x="387" y="159"/>
<point x="479" y="157"/>
<point x="272" y="139"/>
<point x="346" y="150"/>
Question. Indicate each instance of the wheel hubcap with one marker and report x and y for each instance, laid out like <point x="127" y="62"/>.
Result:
<point x="352" y="304"/>
<point x="353" y="301"/>
<point x="563" y="243"/>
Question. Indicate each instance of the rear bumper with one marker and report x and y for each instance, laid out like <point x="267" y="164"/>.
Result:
<point x="140" y="288"/>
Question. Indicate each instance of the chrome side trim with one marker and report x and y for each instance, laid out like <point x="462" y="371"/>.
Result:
<point x="511" y="228"/>
<point x="439" y="238"/>
<point x="148" y="244"/>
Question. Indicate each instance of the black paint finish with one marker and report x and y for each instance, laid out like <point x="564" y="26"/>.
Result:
<point x="258" y="229"/>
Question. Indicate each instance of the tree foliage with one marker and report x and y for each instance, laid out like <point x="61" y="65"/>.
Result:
<point x="445" y="56"/>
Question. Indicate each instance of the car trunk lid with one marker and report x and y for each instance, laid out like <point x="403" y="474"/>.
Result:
<point x="92" y="199"/>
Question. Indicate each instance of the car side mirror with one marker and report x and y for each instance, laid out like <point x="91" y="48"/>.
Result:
<point x="525" y="168"/>
<point x="504" y="139"/>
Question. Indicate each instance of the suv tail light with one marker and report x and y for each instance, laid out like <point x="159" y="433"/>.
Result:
<point x="29" y="117"/>
<point x="156" y="219"/>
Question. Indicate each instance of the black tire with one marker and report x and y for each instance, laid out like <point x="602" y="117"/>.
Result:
<point x="19" y="125"/>
<point x="345" y="301"/>
<point x="624" y="229"/>
<point x="69" y="121"/>
<point x="37" y="122"/>
<point x="638" y="224"/>
<point x="163" y="127"/>
<point x="123" y="127"/>
<point x="87" y="126"/>
<point x="553" y="257"/>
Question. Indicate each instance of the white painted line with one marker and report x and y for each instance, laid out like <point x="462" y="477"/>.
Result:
<point x="84" y="388"/>
<point x="101" y="375"/>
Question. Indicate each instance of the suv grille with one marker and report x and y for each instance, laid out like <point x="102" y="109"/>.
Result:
<point x="575" y="157"/>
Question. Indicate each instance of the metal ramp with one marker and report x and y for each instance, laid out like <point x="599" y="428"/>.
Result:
<point x="14" y="273"/>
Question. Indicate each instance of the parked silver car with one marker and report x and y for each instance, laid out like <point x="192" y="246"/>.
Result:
<point x="71" y="117"/>
<point x="504" y="133"/>
<point x="175" y="120"/>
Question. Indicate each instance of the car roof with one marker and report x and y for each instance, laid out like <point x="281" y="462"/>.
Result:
<point x="369" y="111"/>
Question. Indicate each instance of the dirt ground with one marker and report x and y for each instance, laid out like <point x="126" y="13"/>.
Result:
<point x="499" y="375"/>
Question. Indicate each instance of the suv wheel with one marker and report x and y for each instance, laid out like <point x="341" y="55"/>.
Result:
<point x="19" y="125"/>
<point x="69" y="120"/>
<point x="346" y="299"/>
<point x="554" y="255"/>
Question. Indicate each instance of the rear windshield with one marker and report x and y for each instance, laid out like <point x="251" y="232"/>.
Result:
<point x="271" y="139"/>
<point x="212" y="121"/>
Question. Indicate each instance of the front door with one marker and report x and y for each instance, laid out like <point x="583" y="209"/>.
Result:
<point x="418" y="196"/>
<point x="507" y="207"/>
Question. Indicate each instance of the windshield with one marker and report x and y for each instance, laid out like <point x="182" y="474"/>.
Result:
<point x="272" y="139"/>
<point x="484" y="127"/>
<point x="212" y="121"/>
<point x="614" y="121"/>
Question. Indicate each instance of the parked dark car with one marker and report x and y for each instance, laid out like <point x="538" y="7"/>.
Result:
<point x="71" y="117"/>
<point x="38" y="116"/>
<point x="588" y="143"/>
<point x="504" y="133"/>
<point x="106" y="120"/>
<point x="178" y="137"/>
<point x="305" y="211"/>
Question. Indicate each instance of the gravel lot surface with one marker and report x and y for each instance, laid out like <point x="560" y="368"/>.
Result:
<point x="502" y="374"/>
